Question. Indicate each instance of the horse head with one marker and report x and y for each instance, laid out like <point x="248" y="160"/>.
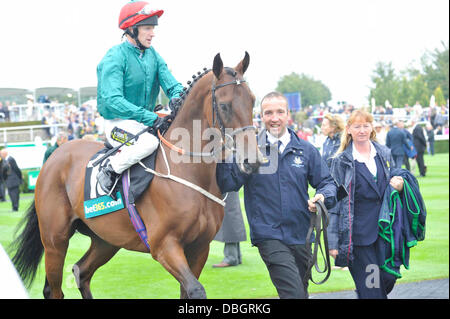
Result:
<point x="232" y="109"/>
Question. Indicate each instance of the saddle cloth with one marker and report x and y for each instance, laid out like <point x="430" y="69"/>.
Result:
<point x="97" y="202"/>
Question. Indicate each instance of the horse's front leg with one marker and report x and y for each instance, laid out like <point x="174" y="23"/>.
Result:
<point x="171" y="256"/>
<point x="196" y="257"/>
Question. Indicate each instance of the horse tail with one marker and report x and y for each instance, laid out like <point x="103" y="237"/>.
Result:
<point x="28" y="246"/>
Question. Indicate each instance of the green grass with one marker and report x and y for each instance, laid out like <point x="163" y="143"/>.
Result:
<point x="136" y="275"/>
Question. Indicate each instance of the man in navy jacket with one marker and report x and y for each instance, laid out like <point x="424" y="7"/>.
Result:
<point x="276" y="197"/>
<point x="396" y="140"/>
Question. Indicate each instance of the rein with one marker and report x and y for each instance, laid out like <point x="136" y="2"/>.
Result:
<point x="319" y="223"/>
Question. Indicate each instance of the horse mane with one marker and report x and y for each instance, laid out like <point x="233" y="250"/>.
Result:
<point x="195" y="79"/>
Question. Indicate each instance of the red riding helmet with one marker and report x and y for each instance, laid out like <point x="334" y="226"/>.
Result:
<point x="137" y="11"/>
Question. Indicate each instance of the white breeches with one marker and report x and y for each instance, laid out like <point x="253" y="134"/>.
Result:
<point x="129" y="155"/>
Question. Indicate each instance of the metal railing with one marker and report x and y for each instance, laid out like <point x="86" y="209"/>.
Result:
<point x="30" y="131"/>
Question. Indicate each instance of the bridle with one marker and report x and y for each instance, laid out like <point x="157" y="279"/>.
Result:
<point x="216" y="118"/>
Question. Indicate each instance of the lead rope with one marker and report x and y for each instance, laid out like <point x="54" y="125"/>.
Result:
<point x="180" y="180"/>
<point x="319" y="223"/>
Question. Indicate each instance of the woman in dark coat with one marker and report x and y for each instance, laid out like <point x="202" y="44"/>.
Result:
<point x="332" y="127"/>
<point x="362" y="166"/>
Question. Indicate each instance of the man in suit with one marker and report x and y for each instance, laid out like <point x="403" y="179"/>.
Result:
<point x="2" y="182"/>
<point x="13" y="178"/>
<point x="420" y="144"/>
<point x="395" y="139"/>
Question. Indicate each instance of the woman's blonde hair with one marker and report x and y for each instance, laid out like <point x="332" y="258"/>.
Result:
<point x="336" y="122"/>
<point x="346" y="138"/>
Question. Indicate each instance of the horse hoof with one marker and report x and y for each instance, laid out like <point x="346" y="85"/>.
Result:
<point x="197" y="293"/>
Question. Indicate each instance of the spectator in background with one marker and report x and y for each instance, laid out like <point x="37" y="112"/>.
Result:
<point x="430" y="135"/>
<point x="6" y="111"/>
<point x="45" y="120"/>
<point x="421" y="145"/>
<point x="409" y="151"/>
<point x="381" y="132"/>
<point x="231" y="232"/>
<point x="61" y="139"/>
<point x="418" y="111"/>
<point x="2" y="181"/>
<point x="395" y="140"/>
<point x="13" y="178"/>
<point x="332" y="127"/>
<point x="441" y="117"/>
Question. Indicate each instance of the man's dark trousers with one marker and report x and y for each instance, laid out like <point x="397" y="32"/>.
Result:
<point x="14" y="196"/>
<point x="287" y="265"/>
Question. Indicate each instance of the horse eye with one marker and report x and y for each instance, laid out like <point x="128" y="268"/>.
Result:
<point x="225" y="106"/>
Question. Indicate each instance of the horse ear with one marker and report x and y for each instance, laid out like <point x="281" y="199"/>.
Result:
<point x="243" y="65"/>
<point x="217" y="65"/>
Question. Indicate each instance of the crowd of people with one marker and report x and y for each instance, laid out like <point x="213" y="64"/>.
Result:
<point x="80" y="122"/>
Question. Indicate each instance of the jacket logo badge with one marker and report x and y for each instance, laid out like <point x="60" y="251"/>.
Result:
<point x="297" y="162"/>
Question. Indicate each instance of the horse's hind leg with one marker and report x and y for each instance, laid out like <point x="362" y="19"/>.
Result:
<point x="99" y="253"/>
<point x="55" y="246"/>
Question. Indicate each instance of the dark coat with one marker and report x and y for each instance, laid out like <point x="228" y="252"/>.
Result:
<point x="340" y="228"/>
<point x="329" y="148"/>
<point x="12" y="172"/>
<point x="276" y="196"/>
<point x="402" y="220"/>
<point x="420" y="141"/>
<point x="396" y="140"/>
<point x="233" y="228"/>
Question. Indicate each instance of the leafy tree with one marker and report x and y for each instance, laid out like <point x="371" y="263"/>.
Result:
<point x="412" y="85"/>
<point x="439" y="96"/>
<point x="437" y="71"/>
<point x="419" y="91"/>
<point x="312" y="91"/>
<point x="386" y="84"/>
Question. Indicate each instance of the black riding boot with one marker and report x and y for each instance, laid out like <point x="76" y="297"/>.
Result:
<point x="107" y="178"/>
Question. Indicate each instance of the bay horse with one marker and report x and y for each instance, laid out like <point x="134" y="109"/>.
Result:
<point x="180" y="221"/>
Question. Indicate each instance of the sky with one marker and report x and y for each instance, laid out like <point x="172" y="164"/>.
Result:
<point x="60" y="42"/>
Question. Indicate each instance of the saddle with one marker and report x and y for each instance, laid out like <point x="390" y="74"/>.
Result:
<point x="136" y="182"/>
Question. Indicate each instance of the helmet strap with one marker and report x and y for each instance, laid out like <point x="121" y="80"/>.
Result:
<point x="134" y="35"/>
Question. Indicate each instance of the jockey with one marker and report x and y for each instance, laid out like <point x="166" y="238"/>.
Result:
<point x="129" y="79"/>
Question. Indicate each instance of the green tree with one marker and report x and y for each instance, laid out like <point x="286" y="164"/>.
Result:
<point x="439" y="96"/>
<point x="419" y="91"/>
<point x="312" y="91"/>
<point x="436" y="71"/>
<point x="386" y="85"/>
<point x="404" y="91"/>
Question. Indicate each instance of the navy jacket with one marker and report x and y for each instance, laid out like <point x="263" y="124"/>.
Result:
<point x="276" y="196"/>
<point x="342" y="221"/>
<point x="330" y="146"/>
<point x="368" y="198"/>
<point x="395" y="140"/>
